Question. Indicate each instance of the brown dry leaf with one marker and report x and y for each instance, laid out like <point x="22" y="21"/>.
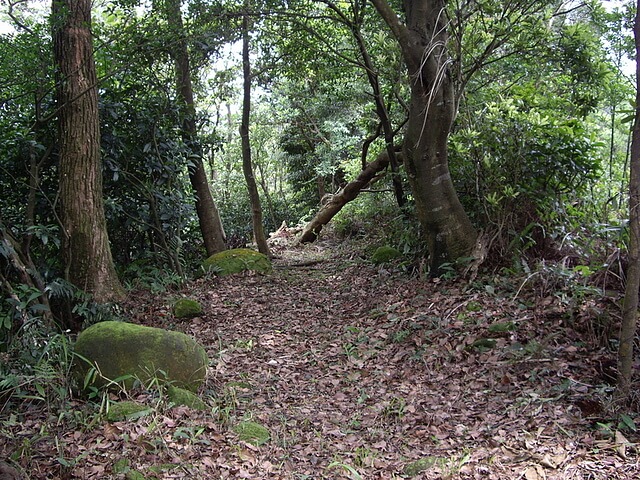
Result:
<point x="535" y="472"/>
<point x="366" y="369"/>
<point x="621" y="444"/>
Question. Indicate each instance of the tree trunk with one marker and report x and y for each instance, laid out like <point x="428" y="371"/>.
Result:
<point x="247" y="166"/>
<point x="340" y="199"/>
<point x="630" y="308"/>
<point x="381" y="107"/>
<point x="87" y="254"/>
<point x="15" y="261"/>
<point x="208" y="215"/>
<point x="448" y="231"/>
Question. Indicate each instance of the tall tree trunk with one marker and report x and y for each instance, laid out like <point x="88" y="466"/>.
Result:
<point x="208" y="215"/>
<point x="448" y="231"/>
<point x="87" y="254"/>
<point x="630" y="308"/>
<point x="247" y="166"/>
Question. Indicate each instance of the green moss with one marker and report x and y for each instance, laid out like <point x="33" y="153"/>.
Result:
<point x="237" y="260"/>
<point x="502" y="327"/>
<point x="385" y="254"/>
<point x="124" y="352"/>
<point x="180" y="396"/>
<point x="122" y="467"/>
<point x="134" y="475"/>
<point x="127" y="410"/>
<point x="252" y="432"/>
<point x="186" y="308"/>
<point x="484" y="344"/>
<point x="164" y="467"/>
<point x="419" y="466"/>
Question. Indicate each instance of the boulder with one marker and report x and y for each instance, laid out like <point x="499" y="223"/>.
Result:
<point x="385" y="254"/>
<point x="252" y="432"/>
<point x="126" y="410"/>
<point x="237" y="260"/>
<point x="180" y="396"/>
<point x="128" y="353"/>
<point x="186" y="308"/>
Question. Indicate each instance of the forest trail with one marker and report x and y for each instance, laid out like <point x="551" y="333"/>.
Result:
<point x="361" y="372"/>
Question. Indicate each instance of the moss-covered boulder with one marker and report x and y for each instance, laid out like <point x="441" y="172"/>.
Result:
<point x="180" y="396"/>
<point x="237" y="260"/>
<point x="385" y="254"/>
<point x="127" y="410"/>
<point x="252" y="432"/>
<point x="186" y="308"/>
<point x="128" y="352"/>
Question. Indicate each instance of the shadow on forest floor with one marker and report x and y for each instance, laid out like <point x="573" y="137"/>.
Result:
<point x="364" y="372"/>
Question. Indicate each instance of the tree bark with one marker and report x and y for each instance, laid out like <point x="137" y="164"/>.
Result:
<point x="448" y="231"/>
<point x="86" y="251"/>
<point x="247" y="166"/>
<point x="14" y="259"/>
<point x="630" y="307"/>
<point x="350" y="191"/>
<point x="208" y="215"/>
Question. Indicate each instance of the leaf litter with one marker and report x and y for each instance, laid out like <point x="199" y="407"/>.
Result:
<point x="355" y="371"/>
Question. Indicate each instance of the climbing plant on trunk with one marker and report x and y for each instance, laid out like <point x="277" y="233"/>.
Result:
<point x="422" y="38"/>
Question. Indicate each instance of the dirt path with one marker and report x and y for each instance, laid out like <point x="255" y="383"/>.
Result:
<point x="364" y="373"/>
<point x="361" y="373"/>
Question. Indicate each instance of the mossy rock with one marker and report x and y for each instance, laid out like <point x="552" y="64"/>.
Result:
<point x="502" y="327"/>
<point x="252" y="432"/>
<point x="127" y="410"/>
<point x="186" y="308"/>
<point x="484" y="344"/>
<point x="125" y="353"/>
<point x="237" y="260"/>
<point x="385" y="254"/>
<point x="180" y="396"/>
<point x="421" y="465"/>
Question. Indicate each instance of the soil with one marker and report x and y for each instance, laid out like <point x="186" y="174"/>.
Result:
<point x="360" y="371"/>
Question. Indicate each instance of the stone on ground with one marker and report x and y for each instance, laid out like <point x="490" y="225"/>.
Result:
<point x="129" y="353"/>
<point x="237" y="260"/>
<point x="186" y="308"/>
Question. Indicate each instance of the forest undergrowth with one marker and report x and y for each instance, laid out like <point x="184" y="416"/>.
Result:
<point x="358" y="371"/>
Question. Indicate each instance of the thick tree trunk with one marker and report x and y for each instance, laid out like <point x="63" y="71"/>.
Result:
<point x="630" y="308"/>
<point x="448" y="231"/>
<point x="208" y="215"/>
<point x="247" y="165"/>
<point x="87" y="254"/>
<point x="340" y="199"/>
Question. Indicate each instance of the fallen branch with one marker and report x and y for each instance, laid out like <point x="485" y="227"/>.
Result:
<point x="350" y="191"/>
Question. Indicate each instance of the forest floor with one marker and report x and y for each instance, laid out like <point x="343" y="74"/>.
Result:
<point x="361" y="372"/>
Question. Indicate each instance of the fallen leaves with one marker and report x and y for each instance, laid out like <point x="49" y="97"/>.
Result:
<point x="356" y="374"/>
